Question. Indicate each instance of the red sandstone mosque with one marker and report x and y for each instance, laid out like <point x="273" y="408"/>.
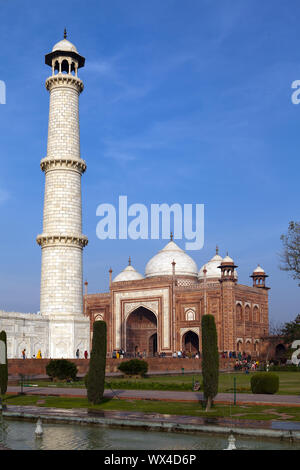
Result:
<point x="160" y="313"/>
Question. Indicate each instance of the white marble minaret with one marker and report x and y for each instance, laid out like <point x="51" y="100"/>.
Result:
<point x="62" y="241"/>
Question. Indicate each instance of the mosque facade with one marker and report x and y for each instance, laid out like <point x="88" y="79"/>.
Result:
<point x="160" y="313"/>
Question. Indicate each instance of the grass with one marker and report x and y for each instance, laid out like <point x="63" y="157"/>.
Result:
<point x="252" y="412"/>
<point x="289" y="382"/>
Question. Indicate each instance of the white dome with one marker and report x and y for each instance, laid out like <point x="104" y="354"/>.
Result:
<point x="161" y="263"/>
<point x="212" y="270"/>
<point x="259" y="269"/>
<point x="227" y="259"/>
<point x="128" y="274"/>
<point x="64" y="45"/>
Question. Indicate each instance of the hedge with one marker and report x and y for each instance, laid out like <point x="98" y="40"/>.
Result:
<point x="61" y="369"/>
<point x="264" y="382"/>
<point x="134" y="367"/>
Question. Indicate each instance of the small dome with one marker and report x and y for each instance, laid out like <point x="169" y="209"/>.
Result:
<point x="259" y="269"/>
<point x="161" y="263"/>
<point x="227" y="260"/>
<point x="128" y="274"/>
<point x="212" y="269"/>
<point x="64" y="45"/>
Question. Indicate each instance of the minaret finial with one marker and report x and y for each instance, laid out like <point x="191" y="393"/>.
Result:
<point x="171" y="236"/>
<point x="129" y="261"/>
<point x="65" y="34"/>
<point x="217" y="250"/>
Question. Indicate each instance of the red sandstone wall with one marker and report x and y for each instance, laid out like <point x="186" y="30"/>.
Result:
<point x="38" y="366"/>
<point x="35" y="367"/>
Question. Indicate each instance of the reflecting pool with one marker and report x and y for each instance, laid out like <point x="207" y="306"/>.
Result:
<point x="19" y="435"/>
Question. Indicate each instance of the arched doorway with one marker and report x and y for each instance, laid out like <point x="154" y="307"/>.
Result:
<point x="190" y="342"/>
<point x="153" y="345"/>
<point x="141" y="332"/>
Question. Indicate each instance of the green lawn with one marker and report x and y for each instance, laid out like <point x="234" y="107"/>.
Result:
<point x="289" y="382"/>
<point x="260" y="412"/>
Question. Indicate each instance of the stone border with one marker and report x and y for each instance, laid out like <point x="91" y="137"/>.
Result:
<point x="161" y="426"/>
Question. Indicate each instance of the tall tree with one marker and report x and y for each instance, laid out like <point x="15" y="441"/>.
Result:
<point x="210" y="359"/>
<point x="96" y="374"/>
<point x="291" y="330"/>
<point x="290" y="256"/>
<point x="3" y="363"/>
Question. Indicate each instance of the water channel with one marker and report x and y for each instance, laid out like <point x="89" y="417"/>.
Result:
<point x="19" y="435"/>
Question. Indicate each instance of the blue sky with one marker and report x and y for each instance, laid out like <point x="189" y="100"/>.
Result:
<point x="186" y="102"/>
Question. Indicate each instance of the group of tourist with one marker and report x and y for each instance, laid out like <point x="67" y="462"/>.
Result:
<point x="120" y="354"/>
<point x="184" y="354"/>
<point x="246" y="365"/>
<point x="234" y="355"/>
<point x="85" y="354"/>
<point x="38" y="356"/>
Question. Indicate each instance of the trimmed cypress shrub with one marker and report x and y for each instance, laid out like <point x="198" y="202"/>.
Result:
<point x="134" y="367"/>
<point x="96" y="374"/>
<point x="264" y="382"/>
<point x="210" y="359"/>
<point x="3" y="367"/>
<point x="61" y="369"/>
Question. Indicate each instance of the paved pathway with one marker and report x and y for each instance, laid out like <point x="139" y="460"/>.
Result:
<point x="241" y="398"/>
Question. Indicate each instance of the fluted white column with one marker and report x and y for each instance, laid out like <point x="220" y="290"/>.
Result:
<point x="62" y="240"/>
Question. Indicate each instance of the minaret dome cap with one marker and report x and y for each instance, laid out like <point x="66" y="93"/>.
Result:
<point x="64" y="48"/>
<point x="259" y="269"/>
<point x="227" y="260"/>
<point x="64" y="45"/>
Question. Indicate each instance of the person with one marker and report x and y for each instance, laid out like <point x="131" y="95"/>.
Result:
<point x="24" y="353"/>
<point x="39" y="354"/>
<point x="196" y="386"/>
<point x="85" y="354"/>
<point x="77" y="354"/>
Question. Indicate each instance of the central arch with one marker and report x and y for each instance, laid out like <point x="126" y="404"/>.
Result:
<point x="190" y="342"/>
<point x="141" y="332"/>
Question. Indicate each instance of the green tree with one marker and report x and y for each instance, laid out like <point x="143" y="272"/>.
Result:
<point x="210" y="359"/>
<point x="290" y="256"/>
<point x="291" y="330"/>
<point x="3" y="363"/>
<point x="96" y="374"/>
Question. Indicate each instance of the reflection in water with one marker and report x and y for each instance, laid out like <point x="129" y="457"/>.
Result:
<point x="20" y="435"/>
